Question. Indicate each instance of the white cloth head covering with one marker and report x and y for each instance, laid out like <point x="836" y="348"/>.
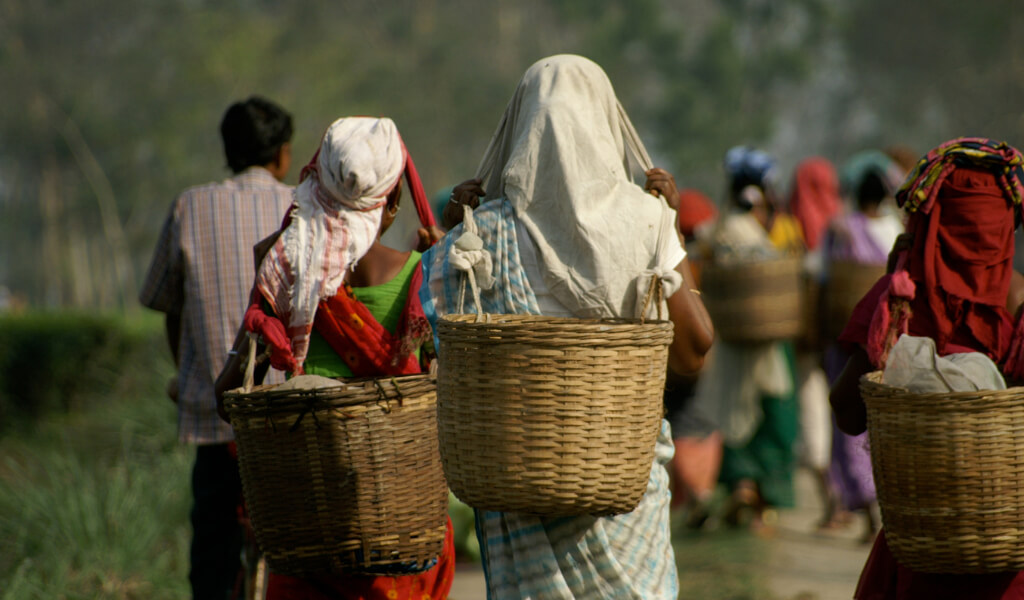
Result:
<point x="567" y="158"/>
<point x="335" y="220"/>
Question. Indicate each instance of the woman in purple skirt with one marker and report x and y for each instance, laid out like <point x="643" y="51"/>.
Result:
<point x="863" y="235"/>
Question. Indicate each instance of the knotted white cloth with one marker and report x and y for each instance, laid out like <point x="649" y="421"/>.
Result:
<point x="669" y="280"/>
<point x="469" y="256"/>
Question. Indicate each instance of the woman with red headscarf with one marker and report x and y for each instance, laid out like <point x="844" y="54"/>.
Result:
<point x="951" y="279"/>
<point x="815" y="199"/>
<point x="331" y="300"/>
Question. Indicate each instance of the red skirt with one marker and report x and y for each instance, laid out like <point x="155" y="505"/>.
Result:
<point x="885" y="579"/>
<point x="432" y="584"/>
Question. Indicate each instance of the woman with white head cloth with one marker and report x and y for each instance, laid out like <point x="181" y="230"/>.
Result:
<point x="330" y="299"/>
<point x="572" y="234"/>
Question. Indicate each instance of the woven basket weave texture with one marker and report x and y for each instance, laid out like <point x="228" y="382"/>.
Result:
<point x="949" y="471"/>
<point x="757" y="301"/>
<point x="343" y="479"/>
<point x="550" y="416"/>
<point x="848" y="282"/>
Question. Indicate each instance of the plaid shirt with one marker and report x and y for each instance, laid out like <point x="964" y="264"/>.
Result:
<point x="203" y="269"/>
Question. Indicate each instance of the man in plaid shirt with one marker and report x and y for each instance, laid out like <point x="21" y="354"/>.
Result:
<point x="200" y="276"/>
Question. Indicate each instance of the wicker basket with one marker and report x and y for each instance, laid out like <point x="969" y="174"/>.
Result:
<point x="949" y="470"/>
<point x="756" y="301"/>
<point x="848" y="282"/>
<point x="550" y="416"/>
<point x="343" y="479"/>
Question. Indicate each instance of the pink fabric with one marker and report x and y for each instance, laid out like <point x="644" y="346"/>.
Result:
<point x="274" y="336"/>
<point x="882" y="332"/>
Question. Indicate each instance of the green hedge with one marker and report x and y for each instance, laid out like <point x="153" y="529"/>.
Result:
<point x="52" y="361"/>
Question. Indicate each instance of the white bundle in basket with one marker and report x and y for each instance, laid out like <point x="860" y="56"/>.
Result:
<point x="915" y="366"/>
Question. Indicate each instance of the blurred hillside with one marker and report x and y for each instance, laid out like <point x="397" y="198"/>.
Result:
<point x="110" y="108"/>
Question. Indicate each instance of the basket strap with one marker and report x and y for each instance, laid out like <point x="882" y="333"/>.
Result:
<point x="471" y="277"/>
<point x="655" y="292"/>
<point x="250" y="364"/>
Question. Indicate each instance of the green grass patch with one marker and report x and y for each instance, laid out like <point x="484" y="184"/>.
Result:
<point x="94" y="502"/>
<point x="724" y="564"/>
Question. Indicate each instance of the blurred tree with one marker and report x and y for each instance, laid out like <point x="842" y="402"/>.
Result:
<point x="111" y="108"/>
<point x="926" y="75"/>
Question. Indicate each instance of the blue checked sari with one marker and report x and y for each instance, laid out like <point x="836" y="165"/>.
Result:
<point x="624" y="557"/>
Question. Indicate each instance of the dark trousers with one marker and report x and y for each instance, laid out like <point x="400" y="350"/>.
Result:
<point x="216" y="532"/>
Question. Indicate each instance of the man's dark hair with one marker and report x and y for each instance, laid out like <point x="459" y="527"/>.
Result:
<point x="253" y="131"/>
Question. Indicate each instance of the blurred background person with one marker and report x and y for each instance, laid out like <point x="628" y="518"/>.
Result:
<point x="861" y="236"/>
<point x="814" y="200"/>
<point x="694" y="467"/>
<point x="749" y="389"/>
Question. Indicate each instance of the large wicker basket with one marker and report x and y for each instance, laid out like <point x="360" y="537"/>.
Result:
<point x="550" y="416"/>
<point x="343" y="479"/>
<point x="754" y="301"/>
<point x="848" y="282"/>
<point x="949" y="470"/>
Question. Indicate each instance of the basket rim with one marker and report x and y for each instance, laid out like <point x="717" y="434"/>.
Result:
<point x="747" y="262"/>
<point x="551" y="332"/>
<point x="355" y="391"/>
<point x="498" y="320"/>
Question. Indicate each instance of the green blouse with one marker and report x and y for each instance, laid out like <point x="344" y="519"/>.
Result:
<point x="385" y="301"/>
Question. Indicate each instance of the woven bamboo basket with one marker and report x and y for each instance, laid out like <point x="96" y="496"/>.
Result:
<point x="343" y="479"/>
<point x="757" y="301"/>
<point x="949" y="471"/>
<point x="550" y="416"/>
<point x="848" y="282"/>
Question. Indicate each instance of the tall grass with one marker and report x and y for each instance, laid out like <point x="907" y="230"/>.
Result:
<point x="94" y="502"/>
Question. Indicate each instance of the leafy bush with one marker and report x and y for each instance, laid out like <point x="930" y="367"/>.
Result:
<point x="51" y="361"/>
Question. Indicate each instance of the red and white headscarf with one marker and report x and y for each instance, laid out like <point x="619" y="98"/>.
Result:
<point x="334" y="221"/>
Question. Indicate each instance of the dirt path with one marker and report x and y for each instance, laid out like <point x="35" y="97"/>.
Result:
<point x="807" y="565"/>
